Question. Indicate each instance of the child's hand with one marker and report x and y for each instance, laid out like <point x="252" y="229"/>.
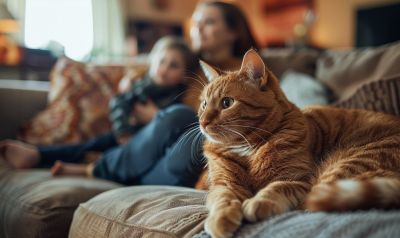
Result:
<point x="144" y="113"/>
<point x="125" y="84"/>
<point x="123" y="139"/>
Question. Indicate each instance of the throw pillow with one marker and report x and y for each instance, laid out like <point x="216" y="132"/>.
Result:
<point x="77" y="104"/>
<point x="303" y="90"/>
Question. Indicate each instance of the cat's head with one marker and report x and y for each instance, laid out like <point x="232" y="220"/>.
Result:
<point x="241" y="107"/>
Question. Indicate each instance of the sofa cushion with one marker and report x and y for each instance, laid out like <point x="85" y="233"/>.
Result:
<point x="35" y="204"/>
<point x="141" y="211"/>
<point x="346" y="71"/>
<point x="163" y="211"/>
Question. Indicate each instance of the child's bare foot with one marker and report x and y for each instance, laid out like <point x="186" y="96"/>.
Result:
<point x="18" y="154"/>
<point x="61" y="168"/>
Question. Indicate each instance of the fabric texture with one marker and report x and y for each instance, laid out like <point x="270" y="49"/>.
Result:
<point x="143" y="211"/>
<point x="346" y="71"/>
<point x="33" y="204"/>
<point x="380" y="96"/>
<point x="372" y="224"/>
<point x="76" y="106"/>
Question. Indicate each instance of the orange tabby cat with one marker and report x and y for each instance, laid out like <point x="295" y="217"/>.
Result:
<point x="266" y="157"/>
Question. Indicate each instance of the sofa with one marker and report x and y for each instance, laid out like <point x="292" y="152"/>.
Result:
<point x="34" y="204"/>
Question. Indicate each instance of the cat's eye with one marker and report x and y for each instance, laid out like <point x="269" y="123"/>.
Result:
<point x="204" y="104"/>
<point x="227" y="102"/>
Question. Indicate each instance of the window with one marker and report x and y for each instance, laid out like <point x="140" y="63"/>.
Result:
<point x="67" y="22"/>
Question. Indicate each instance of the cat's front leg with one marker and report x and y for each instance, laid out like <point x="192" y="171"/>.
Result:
<point x="225" y="212"/>
<point x="276" y="198"/>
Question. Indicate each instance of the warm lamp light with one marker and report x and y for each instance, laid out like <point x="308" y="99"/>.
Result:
<point x="7" y="22"/>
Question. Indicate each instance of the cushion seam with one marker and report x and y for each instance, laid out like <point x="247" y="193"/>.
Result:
<point x="125" y="224"/>
<point x="21" y="204"/>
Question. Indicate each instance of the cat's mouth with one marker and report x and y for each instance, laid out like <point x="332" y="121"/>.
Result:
<point x="210" y="136"/>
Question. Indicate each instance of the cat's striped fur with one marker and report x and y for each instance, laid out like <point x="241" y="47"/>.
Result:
<point x="265" y="156"/>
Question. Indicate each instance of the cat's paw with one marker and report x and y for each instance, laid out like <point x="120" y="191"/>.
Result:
<point x="256" y="209"/>
<point x="225" y="221"/>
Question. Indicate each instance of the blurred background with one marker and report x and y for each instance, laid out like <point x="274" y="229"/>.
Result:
<point x="34" y="33"/>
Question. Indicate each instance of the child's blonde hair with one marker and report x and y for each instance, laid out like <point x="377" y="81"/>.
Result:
<point x="173" y="42"/>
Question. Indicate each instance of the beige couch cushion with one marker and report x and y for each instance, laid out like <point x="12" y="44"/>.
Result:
<point x="34" y="204"/>
<point x="346" y="71"/>
<point x="141" y="211"/>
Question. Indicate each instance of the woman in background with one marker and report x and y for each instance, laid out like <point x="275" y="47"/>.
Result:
<point x="220" y="35"/>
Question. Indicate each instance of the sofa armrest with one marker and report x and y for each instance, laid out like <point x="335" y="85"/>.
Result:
<point x="20" y="100"/>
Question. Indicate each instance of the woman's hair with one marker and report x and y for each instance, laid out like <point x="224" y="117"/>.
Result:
<point x="236" y="22"/>
<point x="176" y="43"/>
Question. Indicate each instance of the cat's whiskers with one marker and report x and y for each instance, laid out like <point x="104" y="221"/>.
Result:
<point x="186" y="91"/>
<point x="193" y="134"/>
<point x="196" y="87"/>
<point x="243" y="151"/>
<point x="221" y="130"/>
<point x="209" y="137"/>
<point x="199" y="139"/>
<point x="198" y="80"/>
<point x="258" y="135"/>
<point x="187" y="133"/>
<point x="252" y="127"/>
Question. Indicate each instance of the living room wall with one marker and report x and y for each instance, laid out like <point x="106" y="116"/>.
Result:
<point x="335" y="25"/>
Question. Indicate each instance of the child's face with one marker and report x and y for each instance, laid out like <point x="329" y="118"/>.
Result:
<point x="169" y="68"/>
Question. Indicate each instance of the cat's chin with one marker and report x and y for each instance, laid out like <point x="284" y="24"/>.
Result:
<point x="209" y="138"/>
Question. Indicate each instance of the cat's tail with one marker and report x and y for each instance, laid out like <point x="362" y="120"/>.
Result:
<point x="351" y="194"/>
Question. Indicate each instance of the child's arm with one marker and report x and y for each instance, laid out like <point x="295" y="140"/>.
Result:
<point x="120" y="113"/>
<point x="145" y="112"/>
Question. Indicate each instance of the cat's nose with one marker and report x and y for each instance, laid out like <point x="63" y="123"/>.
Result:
<point x="204" y="123"/>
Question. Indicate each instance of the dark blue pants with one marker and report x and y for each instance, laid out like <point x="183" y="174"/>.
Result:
<point x="156" y="155"/>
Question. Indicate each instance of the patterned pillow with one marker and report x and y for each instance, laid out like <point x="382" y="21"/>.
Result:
<point x="77" y="104"/>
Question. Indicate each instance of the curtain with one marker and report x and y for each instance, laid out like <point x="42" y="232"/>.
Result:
<point x="17" y="9"/>
<point x="108" y="30"/>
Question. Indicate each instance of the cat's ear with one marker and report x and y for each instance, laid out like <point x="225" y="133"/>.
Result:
<point x="254" y="67"/>
<point x="209" y="71"/>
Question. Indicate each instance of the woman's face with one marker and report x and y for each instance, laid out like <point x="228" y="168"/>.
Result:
<point x="209" y="31"/>
<point x="168" y="69"/>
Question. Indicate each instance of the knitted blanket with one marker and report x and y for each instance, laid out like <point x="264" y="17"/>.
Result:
<point x="375" y="224"/>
